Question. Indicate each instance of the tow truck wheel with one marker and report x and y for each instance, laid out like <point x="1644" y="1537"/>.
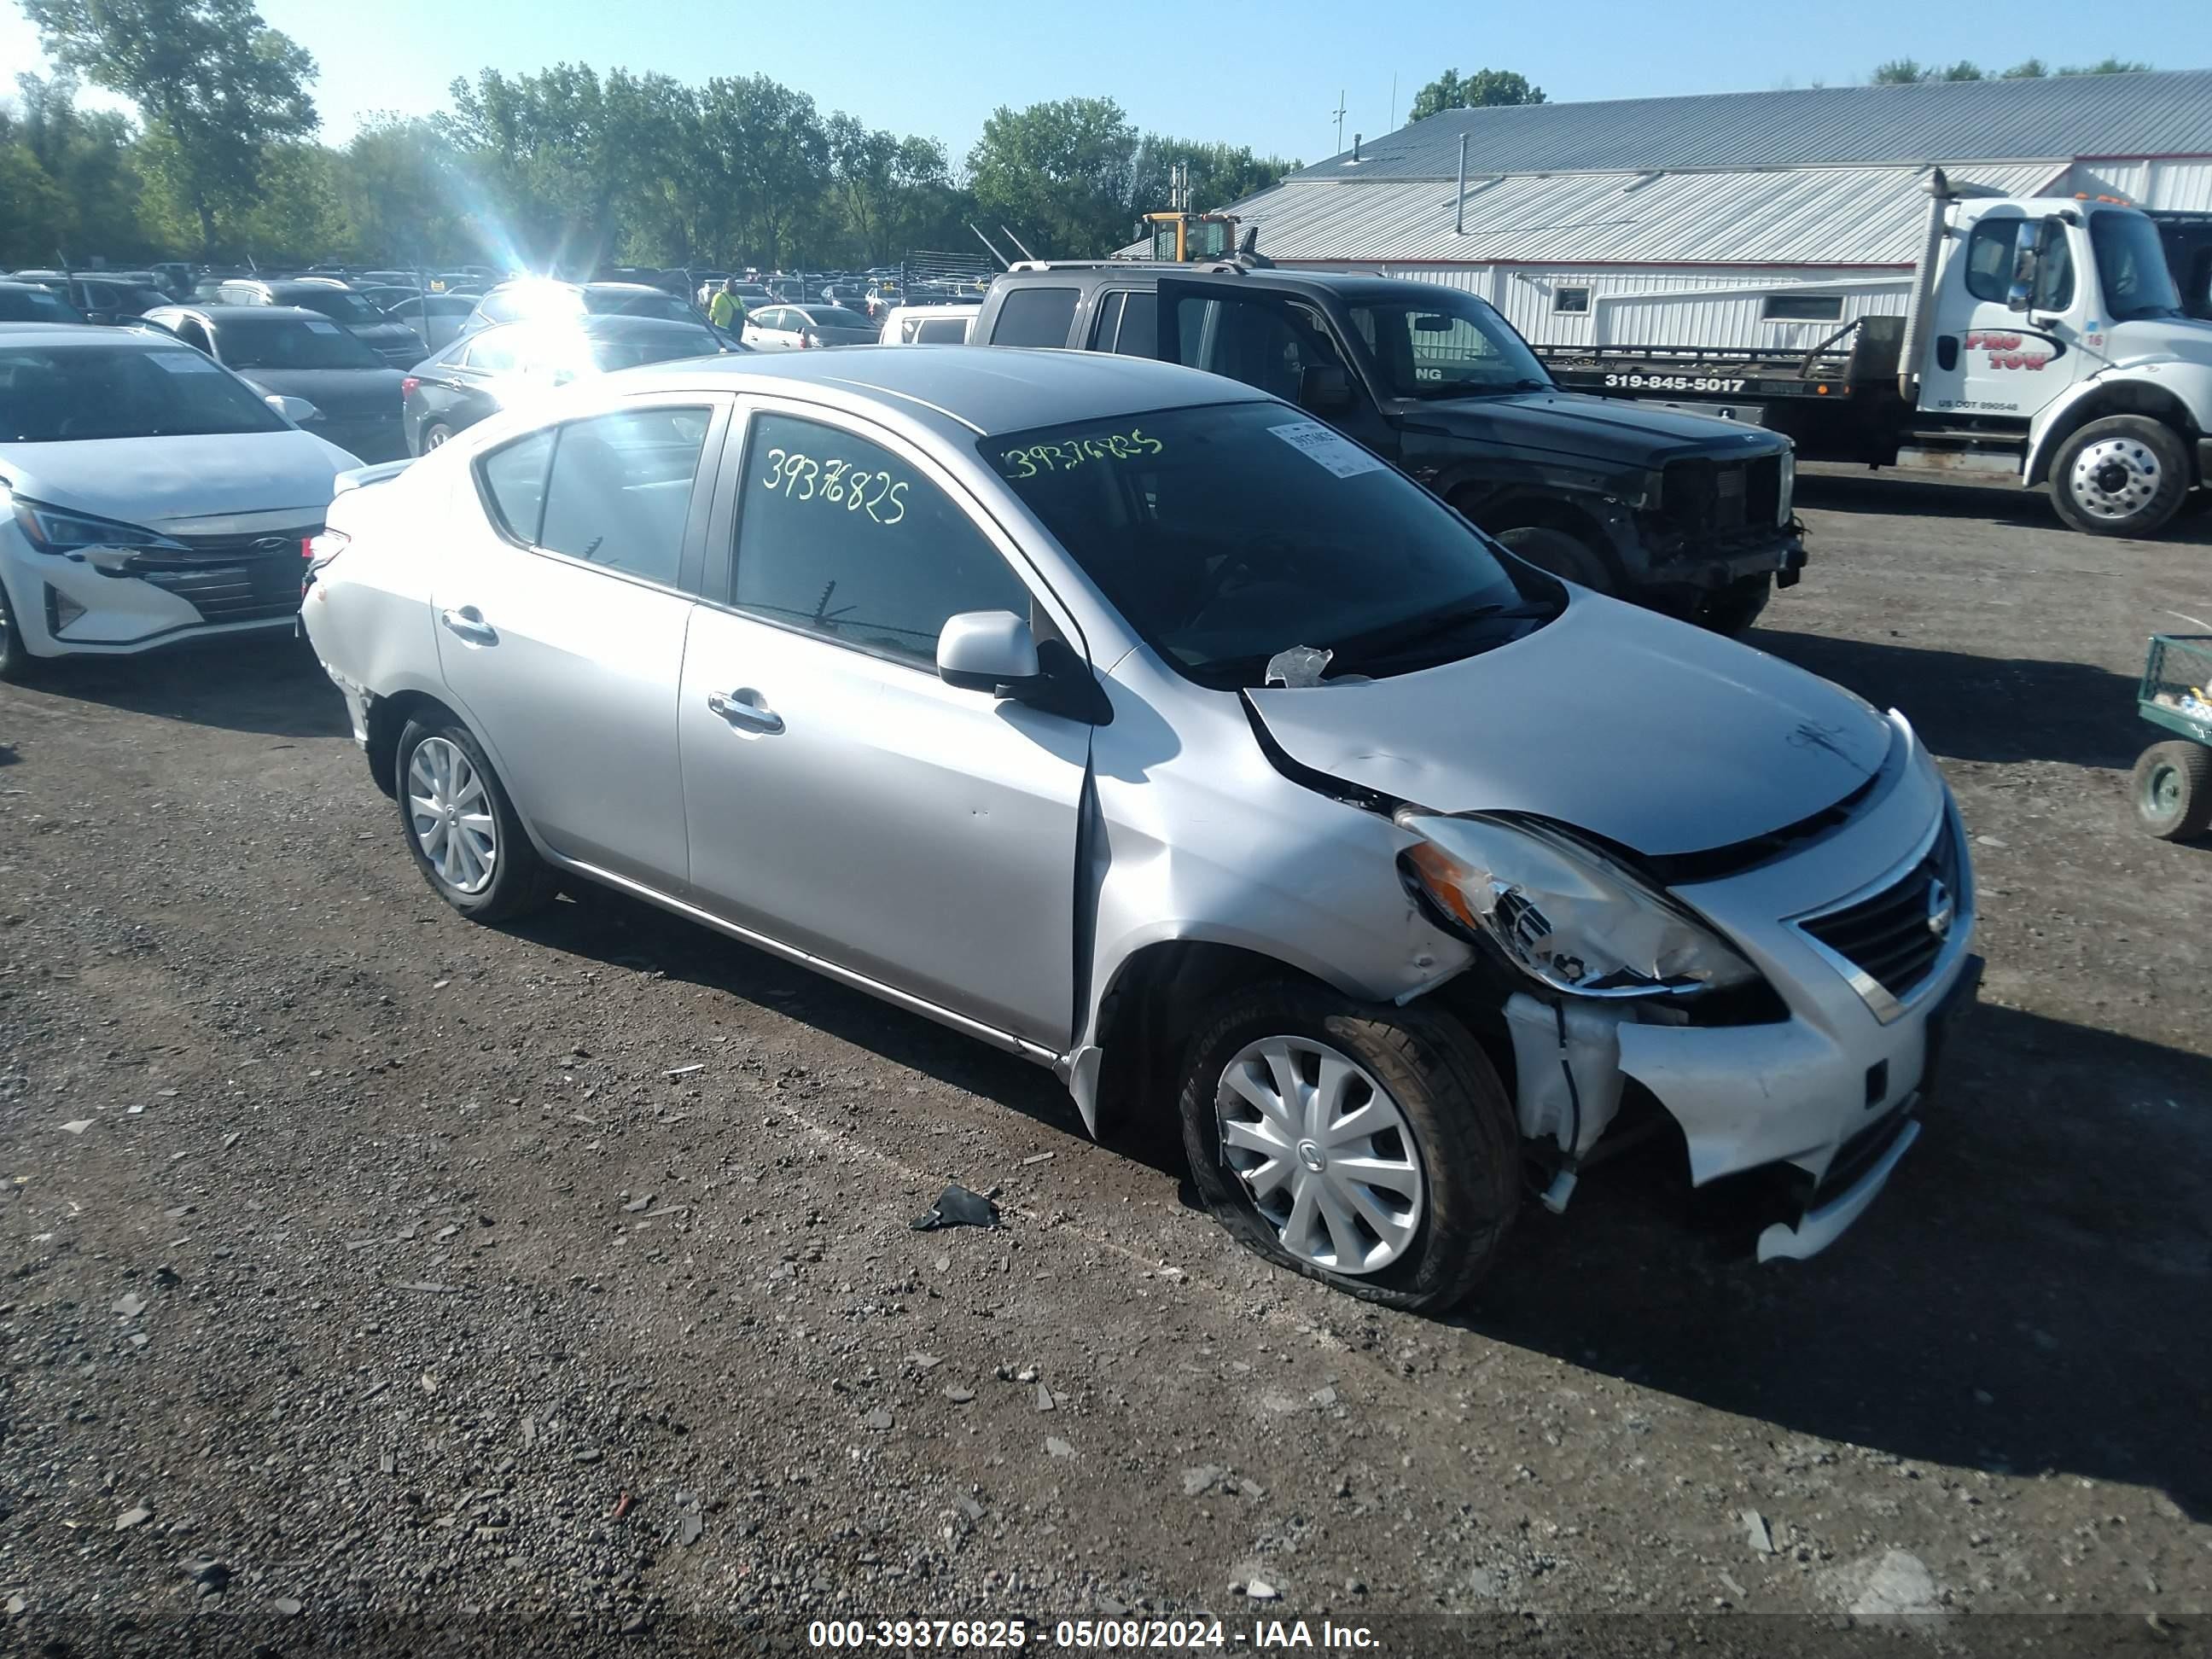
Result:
<point x="2122" y="475"/>
<point x="1372" y="1148"/>
<point x="1560" y="553"/>
<point x="2173" y="790"/>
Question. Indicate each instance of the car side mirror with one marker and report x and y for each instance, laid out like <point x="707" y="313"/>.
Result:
<point x="989" y="651"/>
<point x="1324" y="385"/>
<point x="298" y="411"/>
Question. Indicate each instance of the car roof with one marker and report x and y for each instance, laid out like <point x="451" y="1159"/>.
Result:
<point x="1003" y="389"/>
<point x="219" y="315"/>
<point x="1146" y="273"/>
<point x="598" y="325"/>
<point x="86" y="334"/>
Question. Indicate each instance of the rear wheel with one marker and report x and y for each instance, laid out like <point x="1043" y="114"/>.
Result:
<point x="1558" y="552"/>
<point x="1370" y="1148"/>
<point x="2122" y="475"/>
<point x="434" y="436"/>
<point x="2173" y="790"/>
<point x="462" y="828"/>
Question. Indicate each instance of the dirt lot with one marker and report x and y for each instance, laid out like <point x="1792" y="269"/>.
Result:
<point x="557" y="1282"/>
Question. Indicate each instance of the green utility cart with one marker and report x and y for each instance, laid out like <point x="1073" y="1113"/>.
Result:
<point x="2173" y="779"/>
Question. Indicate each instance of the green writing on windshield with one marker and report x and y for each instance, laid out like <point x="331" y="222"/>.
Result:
<point x="1072" y="453"/>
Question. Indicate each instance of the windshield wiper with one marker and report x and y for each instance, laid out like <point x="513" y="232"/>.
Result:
<point x="1383" y="643"/>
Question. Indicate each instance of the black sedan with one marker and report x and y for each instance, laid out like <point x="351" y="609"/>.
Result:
<point x="287" y="351"/>
<point x="496" y="367"/>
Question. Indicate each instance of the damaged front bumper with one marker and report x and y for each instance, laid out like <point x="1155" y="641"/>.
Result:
<point x="1818" y="1104"/>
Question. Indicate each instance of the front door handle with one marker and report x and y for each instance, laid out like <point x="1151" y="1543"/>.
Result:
<point x="743" y="706"/>
<point x="468" y="622"/>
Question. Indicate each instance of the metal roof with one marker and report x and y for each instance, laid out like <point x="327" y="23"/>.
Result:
<point x="2060" y="118"/>
<point x="1829" y="216"/>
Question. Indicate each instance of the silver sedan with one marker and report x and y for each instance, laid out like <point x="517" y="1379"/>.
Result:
<point x="1132" y="721"/>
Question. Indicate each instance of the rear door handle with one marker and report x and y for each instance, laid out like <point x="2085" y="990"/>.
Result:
<point x="743" y="706"/>
<point x="468" y="622"/>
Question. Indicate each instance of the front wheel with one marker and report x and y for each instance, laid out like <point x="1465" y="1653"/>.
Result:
<point x="2173" y="790"/>
<point x="1559" y="553"/>
<point x="1370" y="1148"/>
<point x="462" y="829"/>
<point x="2122" y="475"/>
<point x="17" y="665"/>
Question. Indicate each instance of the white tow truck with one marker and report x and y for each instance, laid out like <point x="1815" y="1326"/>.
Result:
<point x="2041" y="336"/>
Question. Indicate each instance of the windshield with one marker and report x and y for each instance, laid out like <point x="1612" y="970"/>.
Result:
<point x="649" y="303"/>
<point x="660" y="346"/>
<point x="343" y="304"/>
<point x="2131" y="266"/>
<point x="1225" y="535"/>
<point x="55" y="394"/>
<point x="1446" y="344"/>
<point x="291" y="343"/>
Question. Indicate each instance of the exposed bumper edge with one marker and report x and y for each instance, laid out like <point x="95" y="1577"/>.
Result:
<point x="1819" y="1228"/>
<point x="2204" y="462"/>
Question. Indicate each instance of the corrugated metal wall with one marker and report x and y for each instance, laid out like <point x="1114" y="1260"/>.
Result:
<point x="2171" y="186"/>
<point x="1648" y="306"/>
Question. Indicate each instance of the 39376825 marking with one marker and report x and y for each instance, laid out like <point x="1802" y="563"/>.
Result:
<point x="956" y="1635"/>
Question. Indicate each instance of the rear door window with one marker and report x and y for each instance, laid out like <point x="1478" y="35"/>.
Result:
<point x="620" y="493"/>
<point x="1035" y="316"/>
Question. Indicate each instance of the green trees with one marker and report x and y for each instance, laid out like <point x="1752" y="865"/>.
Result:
<point x="565" y="168"/>
<point x="1071" y="177"/>
<point x="1908" y="71"/>
<point x="207" y="75"/>
<point x="1484" y="89"/>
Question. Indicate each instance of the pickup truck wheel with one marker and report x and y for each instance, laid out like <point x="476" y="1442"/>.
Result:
<point x="1372" y="1148"/>
<point x="2173" y="790"/>
<point x="462" y="828"/>
<point x="2122" y="475"/>
<point x="1560" y="554"/>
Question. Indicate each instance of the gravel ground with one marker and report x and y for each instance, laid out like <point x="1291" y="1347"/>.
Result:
<point x="555" y="1286"/>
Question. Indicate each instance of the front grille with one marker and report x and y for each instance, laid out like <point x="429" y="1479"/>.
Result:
<point x="229" y="579"/>
<point x="1722" y="498"/>
<point x="1888" y="936"/>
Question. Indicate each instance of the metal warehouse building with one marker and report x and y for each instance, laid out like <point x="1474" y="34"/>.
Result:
<point x="1759" y="219"/>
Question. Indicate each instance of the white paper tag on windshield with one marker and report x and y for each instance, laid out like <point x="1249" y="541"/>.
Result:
<point x="186" y="362"/>
<point x="1326" y="448"/>
<point x="321" y="327"/>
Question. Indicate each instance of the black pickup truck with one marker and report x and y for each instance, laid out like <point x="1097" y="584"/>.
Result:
<point x="1682" y="512"/>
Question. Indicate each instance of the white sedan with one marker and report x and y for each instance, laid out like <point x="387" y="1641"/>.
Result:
<point x="147" y="495"/>
<point x="796" y="328"/>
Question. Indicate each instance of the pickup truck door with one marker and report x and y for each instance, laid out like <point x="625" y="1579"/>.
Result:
<point x="1988" y="360"/>
<point x="1277" y="342"/>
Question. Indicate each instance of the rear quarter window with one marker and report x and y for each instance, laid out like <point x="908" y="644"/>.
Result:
<point x="512" y="480"/>
<point x="1035" y="316"/>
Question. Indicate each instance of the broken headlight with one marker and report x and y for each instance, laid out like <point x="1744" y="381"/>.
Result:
<point x="1563" y="913"/>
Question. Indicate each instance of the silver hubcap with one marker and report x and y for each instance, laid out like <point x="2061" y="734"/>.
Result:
<point x="2114" y="478"/>
<point x="1323" y="1151"/>
<point x="437" y="435"/>
<point x="451" y="812"/>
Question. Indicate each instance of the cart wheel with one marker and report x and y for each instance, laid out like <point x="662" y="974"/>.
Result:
<point x="2173" y="790"/>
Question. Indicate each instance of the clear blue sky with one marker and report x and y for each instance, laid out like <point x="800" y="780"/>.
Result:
<point x="1261" y="73"/>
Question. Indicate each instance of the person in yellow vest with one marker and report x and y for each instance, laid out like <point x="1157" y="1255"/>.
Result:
<point x="726" y="311"/>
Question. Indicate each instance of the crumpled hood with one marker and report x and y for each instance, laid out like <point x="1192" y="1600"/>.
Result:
<point x="1599" y="428"/>
<point x="1651" y="733"/>
<point x="169" y="483"/>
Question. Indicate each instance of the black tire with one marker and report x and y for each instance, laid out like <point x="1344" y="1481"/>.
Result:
<point x="1463" y="1131"/>
<point x="1560" y="554"/>
<point x="520" y="880"/>
<point x="17" y="665"/>
<point x="432" y="435"/>
<point x="2125" y="475"/>
<point x="2173" y="790"/>
<point x="1732" y="609"/>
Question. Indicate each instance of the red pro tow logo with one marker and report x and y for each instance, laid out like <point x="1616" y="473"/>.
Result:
<point x="2012" y="350"/>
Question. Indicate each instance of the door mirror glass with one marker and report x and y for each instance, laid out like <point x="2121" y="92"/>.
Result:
<point x="298" y="411"/>
<point x="987" y="651"/>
